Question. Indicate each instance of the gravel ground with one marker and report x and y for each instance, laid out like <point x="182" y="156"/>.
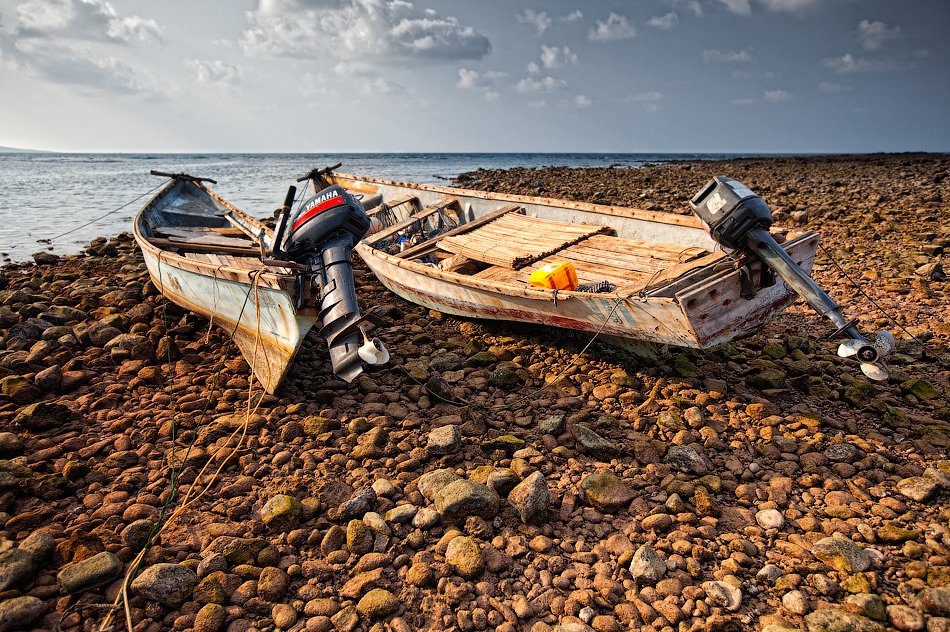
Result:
<point x="764" y="484"/>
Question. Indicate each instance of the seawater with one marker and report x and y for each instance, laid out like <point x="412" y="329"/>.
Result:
<point x="43" y="195"/>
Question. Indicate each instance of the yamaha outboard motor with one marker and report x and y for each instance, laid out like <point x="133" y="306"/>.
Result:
<point x="321" y="234"/>
<point x="738" y="219"/>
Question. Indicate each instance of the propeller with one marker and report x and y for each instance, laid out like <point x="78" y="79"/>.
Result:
<point x="372" y="351"/>
<point x="871" y="355"/>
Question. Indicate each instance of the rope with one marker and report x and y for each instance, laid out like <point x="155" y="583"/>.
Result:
<point x="865" y="294"/>
<point x="49" y="239"/>
<point x="161" y="524"/>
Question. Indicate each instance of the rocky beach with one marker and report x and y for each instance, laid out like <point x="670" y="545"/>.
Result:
<point x="492" y="477"/>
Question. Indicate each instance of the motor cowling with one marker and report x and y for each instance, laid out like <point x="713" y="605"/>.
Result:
<point x="330" y="211"/>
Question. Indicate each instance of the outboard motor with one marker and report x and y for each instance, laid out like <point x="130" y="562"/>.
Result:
<point x="321" y="234"/>
<point x="738" y="219"/>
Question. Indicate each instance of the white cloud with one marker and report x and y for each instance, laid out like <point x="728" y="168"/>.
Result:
<point x="358" y="29"/>
<point x="649" y="101"/>
<point x="365" y="78"/>
<point x="79" y="66"/>
<point x="573" y="16"/>
<point x="830" y="87"/>
<point x="581" y="102"/>
<point x="687" y="5"/>
<point x="617" y="27"/>
<point x="214" y="71"/>
<point x="545" y="84"/>
<point x="848" y="63"/>
<point x="538" y="19"/>
<point x="664" y="22"/>
<point x="789" y="6"/>
<point x="777" y="96"/>
<point x="741" y="7"/>
<point x="555" y="57"/>
<point x="90" y="20"/>
<point x="726" y="57"/>
<point x="474" y="80"/>
<point x="873" y="34"/>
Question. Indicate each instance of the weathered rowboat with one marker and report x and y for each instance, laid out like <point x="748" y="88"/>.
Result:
<point x="211" y="258"/>
<point x="655" y="277"/>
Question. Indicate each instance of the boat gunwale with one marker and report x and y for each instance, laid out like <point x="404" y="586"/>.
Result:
<point x="270" y="278"/>
<point x="685" y="221"/>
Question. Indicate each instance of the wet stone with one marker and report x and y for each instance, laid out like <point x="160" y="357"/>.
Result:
<point x="589" y="442"/>
<point x="462" y="498"/>
<point x="90" y="572"/>
<point x="444" y="440"/>
<point x="20" y="612"/>
<point x="606" y="492"/>
<point x="835" y="620"/>
<point x="646" y="566"/>
<point x="842" y="554"/>
<point x="169" y="584"/>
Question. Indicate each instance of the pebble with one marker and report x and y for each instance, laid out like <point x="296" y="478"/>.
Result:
<point x="465" y="556"/>
<point x="169" y="584"/>
<point x="606" y="492"/>
<point x="905" y="618"/>
<point x="723" y="594"/>
<point x="770" y="519"/>
<point x="835" y="620"/>
<point x="686" y="459"/>
<point x="462" y="498"/>
<point x="589" y="442"/>
<point x="531" y="498"/>
<point x="646" y="566"/>
<point x="842" y="554"/>
<point x="90" y="572"/>
<point x="378" y="603"/>
<point x="444" y="440"/>
<point x="795" y="602"/>
<point x="18" y="613"/>
<point x="281" y="513"/>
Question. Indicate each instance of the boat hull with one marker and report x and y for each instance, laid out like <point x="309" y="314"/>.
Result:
<point x="263" y="321"/>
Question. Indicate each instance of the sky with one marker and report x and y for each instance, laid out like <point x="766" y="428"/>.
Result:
<point x="756" y="76"/>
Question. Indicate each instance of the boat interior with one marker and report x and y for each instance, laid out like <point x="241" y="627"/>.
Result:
<point x="507" y="245"/>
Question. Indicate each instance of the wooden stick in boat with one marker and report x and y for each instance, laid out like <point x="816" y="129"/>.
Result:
<point x="245" y="251"/>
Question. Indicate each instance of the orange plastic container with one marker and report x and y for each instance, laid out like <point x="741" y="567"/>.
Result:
<point x="555" y="276"/>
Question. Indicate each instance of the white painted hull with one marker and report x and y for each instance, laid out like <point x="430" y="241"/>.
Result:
<point x="266" y="326"/>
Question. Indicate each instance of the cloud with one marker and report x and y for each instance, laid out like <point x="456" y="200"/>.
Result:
<point x="554" y="57"/>
<point x="744" y="7"/>
<point x="358" y="29"/>
<point x="214" y="72"/>
<point x="545" y="84"/>
<point x="573" y="16"/>
<point x="365" y="78"/>
<point x="687" y="5"/>
<point x="713" y="56"/>
<point x="76" y="43"/>
<point x="777" y="96"/>
<point x="538" y="19"/>
<point x="649" y="101"/>
<point x="88" y="20"/>
<point x="664" y="22"/>
<point x="873" y="34"/>
<point x="79" y="66"/>
<point x="789" y="6"/>
<point x="581" y="102"/>
<point x="741" y="7"/>
<point x="617" y="27"/>
<point x="848" y="63"/>
<point x="474" y="80"/>
<point x="830" y="87"/>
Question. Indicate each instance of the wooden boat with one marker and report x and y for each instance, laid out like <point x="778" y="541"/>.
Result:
<point x="655" y="277"/>
<point x="211" y="258"/>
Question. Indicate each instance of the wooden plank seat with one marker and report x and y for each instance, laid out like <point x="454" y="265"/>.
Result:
<point x="627" y="264"/>
<point x="431" y="244"/>
<point x="205" y="236"/>
<point x="513" y="241"/>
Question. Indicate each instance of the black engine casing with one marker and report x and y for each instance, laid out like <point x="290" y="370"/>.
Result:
<point x="330" y="211"/>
